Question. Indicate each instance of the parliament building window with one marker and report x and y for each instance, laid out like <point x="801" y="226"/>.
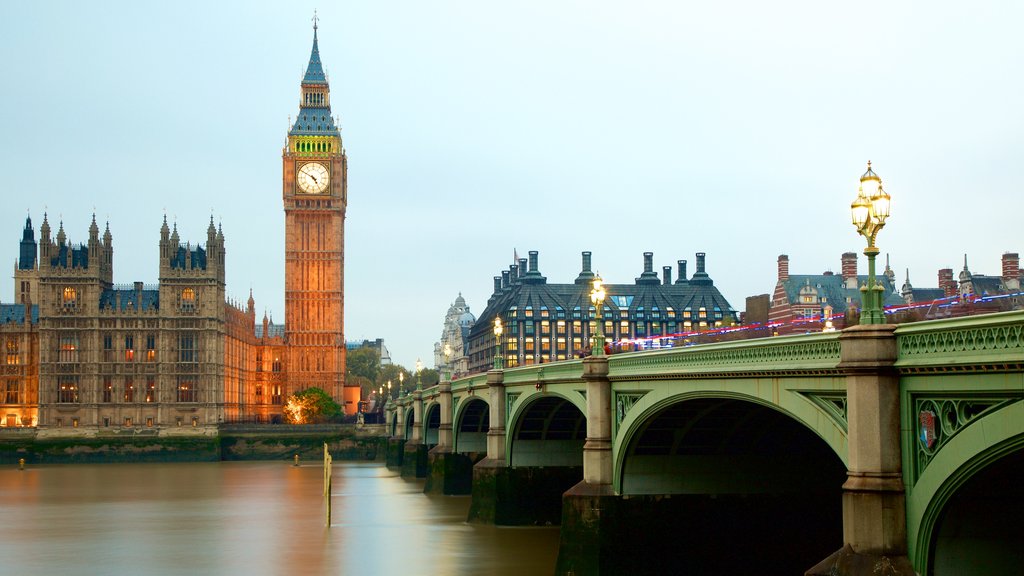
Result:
<point x="188" y="300"/>
<point x="276" y="365"/>
<point x="11" y="395"/>
<point x="69" y="299"/>
<point x="186" y="390"/>
<point x="13" y="357"/>
<point x="108" y="389"/>
<point x="187" y="348"/>
<point x="259" y="362"/>
<point x="150" y="347"/>
<point x="108" y="348"/>
<point x="150" y="390"/>
<point x="259" y="394"/>
<point x="67" y="389"/>
<point x="129" y="348"/>
<point x="67" y="348"/>
<point x="129" y="390"/>
<point x="275" y="396"/>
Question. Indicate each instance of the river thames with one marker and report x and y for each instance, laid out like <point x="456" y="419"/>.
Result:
<point x="249" y="518"/>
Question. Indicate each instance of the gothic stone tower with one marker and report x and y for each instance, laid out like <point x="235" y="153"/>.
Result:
<point x="314" y="190"/>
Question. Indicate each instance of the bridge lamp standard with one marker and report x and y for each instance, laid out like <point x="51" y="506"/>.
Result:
<point x="870" y="210"/>
<point x="597" y="295"/>
<point x="389" y="389"/>
<point x="498" y="329"/>
<point x="419" y="380"/>
<point x="401" y="383"/>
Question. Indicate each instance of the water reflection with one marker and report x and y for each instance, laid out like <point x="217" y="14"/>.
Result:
<point x="248" y="518"/>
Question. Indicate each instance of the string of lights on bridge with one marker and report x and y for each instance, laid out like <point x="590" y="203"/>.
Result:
<point x="671" y="340"/>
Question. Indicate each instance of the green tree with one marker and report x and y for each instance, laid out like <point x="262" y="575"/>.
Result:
<point x="391" y="373"/>
<point x="363" y="362"/>
<point x="309" y="406"/>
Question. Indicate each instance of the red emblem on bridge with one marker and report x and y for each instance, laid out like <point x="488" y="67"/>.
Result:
<point x="926" y="420"/>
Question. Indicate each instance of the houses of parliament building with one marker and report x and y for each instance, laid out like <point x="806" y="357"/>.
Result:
<point x="82" y="355"/>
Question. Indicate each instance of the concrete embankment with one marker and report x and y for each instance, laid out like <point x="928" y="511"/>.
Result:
<point x="250" y="442"/>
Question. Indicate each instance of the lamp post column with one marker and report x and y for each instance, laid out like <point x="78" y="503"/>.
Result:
<point x="444" y="433"/>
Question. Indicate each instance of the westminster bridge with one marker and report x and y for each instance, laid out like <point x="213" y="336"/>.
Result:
<point x="879" y="449"/>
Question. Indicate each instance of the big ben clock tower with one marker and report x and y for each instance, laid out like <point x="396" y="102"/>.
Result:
<point x="314" y="191"/>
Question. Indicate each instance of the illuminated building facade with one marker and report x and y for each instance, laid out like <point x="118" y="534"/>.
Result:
<point x="83" y="355"/>
<point x="550" y="322"/>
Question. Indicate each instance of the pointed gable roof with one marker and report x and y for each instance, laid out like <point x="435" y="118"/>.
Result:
<point x="314" y="70"/>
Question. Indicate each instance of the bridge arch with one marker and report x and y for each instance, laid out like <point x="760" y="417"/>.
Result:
<point x="431" y="423"/>
<point x="714" y="473"/>
<point x="796" y="401"/>
<point x="546" y="429"/>
<point x="409" y="422"/>
<point x="472" y="421"/>
<point x="969" y="495"/>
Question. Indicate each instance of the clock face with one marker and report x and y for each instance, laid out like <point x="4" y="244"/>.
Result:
<point x="313" y="178"/>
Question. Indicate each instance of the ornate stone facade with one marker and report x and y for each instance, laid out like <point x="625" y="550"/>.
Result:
<point x="83" y="356"/>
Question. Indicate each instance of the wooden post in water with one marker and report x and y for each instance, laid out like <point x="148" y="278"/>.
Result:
<point x="327" y="482"/>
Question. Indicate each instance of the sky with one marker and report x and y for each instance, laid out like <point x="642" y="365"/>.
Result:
<point x="476" y="129"/>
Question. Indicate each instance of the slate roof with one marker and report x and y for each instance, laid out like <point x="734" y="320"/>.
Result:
<point x="15" y="313"/>
<point x="834" y="290"/>
<point x="314" y="121"/>
<point x="150" y="299"/>
<point x="197" y="258"/>
<point x="641" y="301"/>
<point x="314" y="70"/>
<point x="275" y="330"/>
<point x="927" y="294"/>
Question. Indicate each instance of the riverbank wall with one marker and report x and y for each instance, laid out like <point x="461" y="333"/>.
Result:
<point x="234" y="442"/>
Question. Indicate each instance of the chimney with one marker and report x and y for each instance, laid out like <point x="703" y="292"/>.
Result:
<point x="849" y="269"/>
<point x="513" y="273"/>
<point x="522" y="267"/>
<point x="497" y="284"/>
<point x="666" y="272"/>
<point x="586" y="275"/>
<point x="649" y="276"/>
<point x="532" y="274"/>
<point x="700" y="276"/>
<point x="946" y="282"/>
<point x="682" y="272"/>
<point x="783" y="267"/>
<point x="504" y="279"/>
<point x="1011" y="271"/>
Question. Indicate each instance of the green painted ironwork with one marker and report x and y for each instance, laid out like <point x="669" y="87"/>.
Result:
<point x="832" y="403"/>
<point x="950" y="415"/>
<point x="623" y="403"/>
<point x="993" y="338"/>
<point x="510" y="400"/>
<point x="806" y="352"/>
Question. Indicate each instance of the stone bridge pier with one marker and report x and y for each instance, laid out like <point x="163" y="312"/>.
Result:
<point x="414" y="453"/>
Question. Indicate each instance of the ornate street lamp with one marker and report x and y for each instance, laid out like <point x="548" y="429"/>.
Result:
<point x="401" y="383"/>
<point x="419" y="380"/>
<point x="597" y="295"/>
<point x="498" y="329"/>
<point x="870" y="210"/>
<point x="389" y="389"/>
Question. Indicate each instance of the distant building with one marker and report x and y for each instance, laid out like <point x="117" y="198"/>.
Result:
<point x="549" y="322"/>
<point x="458" y="322"/>
<point x="1003" y="291"/>
<point x="799" y="296"/>
<point x="377" y="346"/>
